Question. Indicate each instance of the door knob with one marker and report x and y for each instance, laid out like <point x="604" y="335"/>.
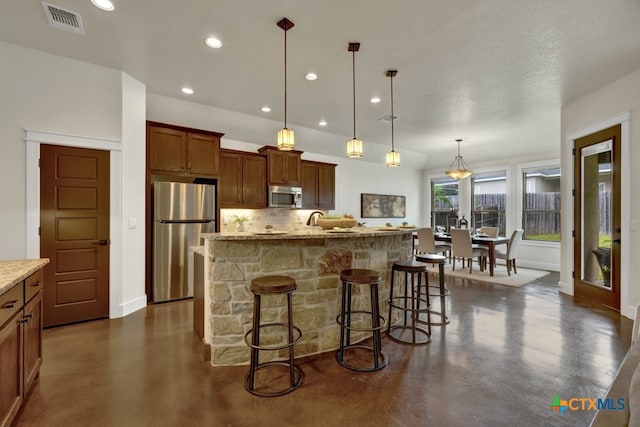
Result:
<point x="101" y="242"/>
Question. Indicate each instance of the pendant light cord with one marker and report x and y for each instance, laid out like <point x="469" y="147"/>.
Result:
<point x="353" y="68"/>
<point x="392" y="117"/>
<point x="285" y="78"/>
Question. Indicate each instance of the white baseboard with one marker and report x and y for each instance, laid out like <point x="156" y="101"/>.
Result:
<point x="132" y="306"/>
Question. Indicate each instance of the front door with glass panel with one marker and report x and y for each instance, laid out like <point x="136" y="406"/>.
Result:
<point x="597" y="218"/>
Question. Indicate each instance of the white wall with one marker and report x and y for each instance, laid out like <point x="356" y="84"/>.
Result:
<point x="617" y="99"/>
<point x="46" y="92"/>
<point x="72" y="103"/>
<point x="133" y="213"/>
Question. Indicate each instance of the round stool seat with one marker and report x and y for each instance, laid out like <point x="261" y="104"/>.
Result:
<point x="410" y="266"/>
<point x="360" y="275"/>
<point x="431" y="258"/>
<point x="273" y="284"/>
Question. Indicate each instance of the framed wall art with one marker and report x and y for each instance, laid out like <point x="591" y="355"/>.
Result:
<point x="382" y="206"/>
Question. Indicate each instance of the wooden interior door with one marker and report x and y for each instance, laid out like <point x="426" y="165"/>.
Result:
<point x="74" y="224"/>
<point x="597" y="218"/>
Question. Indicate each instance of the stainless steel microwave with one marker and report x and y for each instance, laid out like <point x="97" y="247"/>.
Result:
<point x="285" y="197"/>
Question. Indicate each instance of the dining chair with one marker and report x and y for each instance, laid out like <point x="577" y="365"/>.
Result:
<point x="490" y="231"/>
<point x="461" y="247"/>
<point x="428" y="245"/>
<point x="510" y="254"/>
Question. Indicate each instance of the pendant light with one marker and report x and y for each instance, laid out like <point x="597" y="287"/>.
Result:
<point x="286" y="140"/>
<point x="393" y="157"/>
<point x="354" y="145"/>
<point x="458" y="168"/>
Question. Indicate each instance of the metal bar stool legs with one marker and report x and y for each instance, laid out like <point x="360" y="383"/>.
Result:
<point x="272" y="285"/>
<point x="410" y="304"/>
<point x="443" y="291"/>
<point x="348" y="324"/>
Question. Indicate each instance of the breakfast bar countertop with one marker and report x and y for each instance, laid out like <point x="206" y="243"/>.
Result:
<point x="307" y="234"/>
<point x="13" y="272"/>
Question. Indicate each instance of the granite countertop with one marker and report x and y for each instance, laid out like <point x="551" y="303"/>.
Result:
<point x="13" y="272"/>
<point x="308" y="234"/>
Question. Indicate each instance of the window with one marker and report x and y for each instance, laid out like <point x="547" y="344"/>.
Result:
<point x="444" y="200"/>
<point x="541" y="204"/>
<point x="489" y="200"/>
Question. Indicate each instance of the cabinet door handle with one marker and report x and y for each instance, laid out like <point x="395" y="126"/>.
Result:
<point x="10" y="304"/>
<point x="26" y="318"/>
<point x="35" y="284"/>
<point x="101" y="242"/>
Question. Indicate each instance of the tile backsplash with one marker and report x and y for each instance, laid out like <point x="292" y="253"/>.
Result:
<point x="279" y="218"/>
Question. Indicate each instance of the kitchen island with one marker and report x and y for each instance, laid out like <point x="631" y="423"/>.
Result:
<point x="314" y="258"/>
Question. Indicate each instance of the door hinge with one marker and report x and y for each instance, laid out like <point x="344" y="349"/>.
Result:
<point x="39" y="162"/>
<point x="573" y="233"/>
<point x="573" y="151"/>
<point x="573" y="274"/>
<point x="573" y="192"/>
<point x="39" y="231"/>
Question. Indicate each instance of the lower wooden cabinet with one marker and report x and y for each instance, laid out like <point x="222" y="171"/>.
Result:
<point x="11" y="369"/>
<point x="20" y="344"/>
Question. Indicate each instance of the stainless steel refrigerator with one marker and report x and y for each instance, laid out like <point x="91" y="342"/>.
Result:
<point x="182" y="212"/>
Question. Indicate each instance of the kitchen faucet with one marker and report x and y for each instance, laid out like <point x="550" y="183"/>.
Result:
<point x="312" y="216"/>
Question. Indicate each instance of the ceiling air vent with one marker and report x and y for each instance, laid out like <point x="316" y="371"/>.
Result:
<point x="62" y="18"/>
<point x="388" y="119"/>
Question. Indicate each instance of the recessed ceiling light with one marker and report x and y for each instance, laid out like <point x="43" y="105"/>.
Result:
<point x="213" y="42"/>
<point x="311" y="76"/>
<point x="103" y="4"/>
<point x="266" y="109"/>
<point x="322" y="123"/>
<point x="375" y="100"/>
<point x="187" y="90"/>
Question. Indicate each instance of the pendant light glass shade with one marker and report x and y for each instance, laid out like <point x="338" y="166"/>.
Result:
<point x="355" y="147"/>
<point x="458" y="168"/>
<point x="286" y="139"/>
<point x="393" y="157"/>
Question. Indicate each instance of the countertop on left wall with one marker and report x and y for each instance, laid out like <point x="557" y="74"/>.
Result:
<point x="13" y="272"/>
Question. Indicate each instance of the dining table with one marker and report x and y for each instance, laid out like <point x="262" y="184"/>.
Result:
<point x="489" y="242"/>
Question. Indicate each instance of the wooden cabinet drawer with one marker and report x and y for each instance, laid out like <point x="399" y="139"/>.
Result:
<point x="32" y="285"/>
<point x="11" y="302"/>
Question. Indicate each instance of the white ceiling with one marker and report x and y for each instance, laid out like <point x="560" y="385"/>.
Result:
<point x="482" y="70"/>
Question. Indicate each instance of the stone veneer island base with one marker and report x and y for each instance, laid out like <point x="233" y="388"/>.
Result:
<point x="315" y="259"/>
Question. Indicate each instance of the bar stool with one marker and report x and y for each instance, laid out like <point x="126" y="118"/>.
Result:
<point x="346" y="322"/>
<point x="443" y="291"/>
<point x="263" y="286"/>
<point x="409" y="304"/>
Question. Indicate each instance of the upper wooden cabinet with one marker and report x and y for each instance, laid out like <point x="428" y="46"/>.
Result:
<point x="242" y="181"/>
<point x="182" y="151"/>
<point x="283" y="167"/>
<point x="318" y="185"/>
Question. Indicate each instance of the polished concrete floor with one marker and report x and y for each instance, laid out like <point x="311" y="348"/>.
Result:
<point x="505" y="355"/>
